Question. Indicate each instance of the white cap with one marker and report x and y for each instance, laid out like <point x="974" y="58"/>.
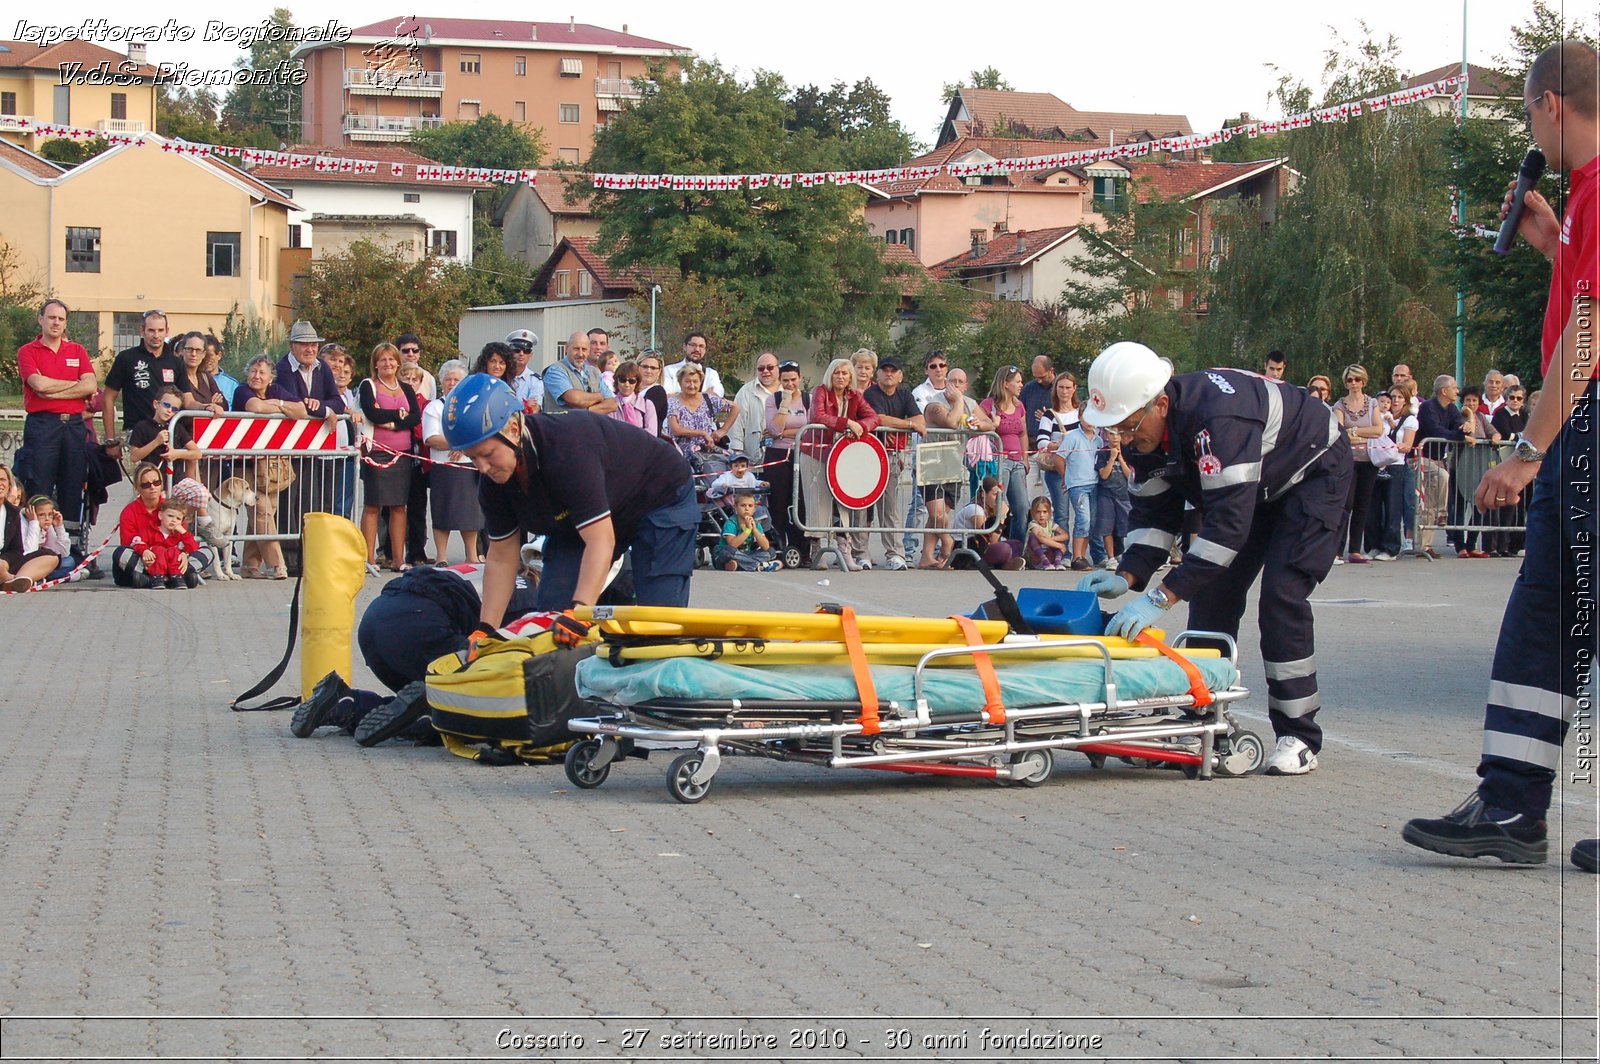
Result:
<point x="1123" y="378"/>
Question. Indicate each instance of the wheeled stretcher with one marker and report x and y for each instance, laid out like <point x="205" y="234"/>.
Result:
<point x="946" y="696"/>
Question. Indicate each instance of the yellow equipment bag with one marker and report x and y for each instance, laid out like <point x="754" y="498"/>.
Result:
<point x="333" y="565"/>
<point x="511" y="703"/>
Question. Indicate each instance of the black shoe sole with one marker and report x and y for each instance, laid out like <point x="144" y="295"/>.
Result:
<point x="394" y="716"/>
<point x="324" y="697"/>
<point x="1586" y="858"/>
<point x="1509" y="850"/>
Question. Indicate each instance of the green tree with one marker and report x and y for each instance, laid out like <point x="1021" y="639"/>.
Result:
<point x="20" y="296"/>
<point x="70" y="153"/>
<point x="853" y="120"/>
<point x="370" y="293"/>
<point x="690" y="304"/>
<point x="987" y="78"/>
<point x="244" y="336"/>
<point x="495" y="276"/>
<point x="1506" y="294"/>
<point x="792" y="257"/>
<point x="271" y="99"/>
<point x="1245" y="149"/>
<point x="192" y="115"/>
<point x="1349" y="271"/>
<point x="941" y="318"/>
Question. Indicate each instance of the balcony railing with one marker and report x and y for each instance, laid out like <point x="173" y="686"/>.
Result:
<point x="120" y="125"/>
<point x="17" y="123"/>
<point x="377" y="82"/>
<point x="624" y="87"/>
<point x="386" y="127"/>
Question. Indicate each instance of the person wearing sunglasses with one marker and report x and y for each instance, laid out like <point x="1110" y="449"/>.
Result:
<point x="162" y="440"/>
<point x="410" y="348"/>
<point x="1542" y="661"/>
<point x="525" y="381"/>
<point x="750" y="427"/>
<point x="1268" y="468"/>
<point x="139" y="530"/>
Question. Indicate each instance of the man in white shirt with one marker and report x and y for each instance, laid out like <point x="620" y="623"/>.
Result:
<point x="935" y="365"/>
<point x="524" y="378"/>
<point x="694" y="350"/>
<point x="1494" y="392"/>
<point x="751" y="424"/>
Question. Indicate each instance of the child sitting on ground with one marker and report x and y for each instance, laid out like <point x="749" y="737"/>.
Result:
<point x="744" y="546"/>
<point x="44" y="529"/>
<point x="172" y="549"/>
<point x="1047" y="541"/>
<point x="737" y="478"/>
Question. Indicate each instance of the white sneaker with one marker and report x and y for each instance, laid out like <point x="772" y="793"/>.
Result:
<point x="1406" y="547"/>
<point x="1338" y="559"/>
<point x="1111" y="564"/>
<point x="1382" y="556"/>
<point x="863" y="563"/>
<point x="1291" y="757"/>
<point x="894" y="562"/>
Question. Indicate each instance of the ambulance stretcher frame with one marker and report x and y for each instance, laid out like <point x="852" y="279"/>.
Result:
<point x="1016" y="745"/>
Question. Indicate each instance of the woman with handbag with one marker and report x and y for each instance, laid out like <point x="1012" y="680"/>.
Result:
<point x="391" y="406"/>
<point x="260" y="394"/>
<point x="1358" y="414"/>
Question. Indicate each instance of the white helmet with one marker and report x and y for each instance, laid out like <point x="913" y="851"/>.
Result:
<point x="1123" y="378"/>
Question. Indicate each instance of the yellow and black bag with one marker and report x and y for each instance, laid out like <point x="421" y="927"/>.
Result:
<point x="511" y="704"/>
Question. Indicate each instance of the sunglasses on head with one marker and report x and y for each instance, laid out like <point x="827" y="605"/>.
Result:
<point x="784" y="367"/>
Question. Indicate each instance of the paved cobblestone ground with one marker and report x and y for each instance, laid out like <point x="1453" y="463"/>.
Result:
<point x="180" y="881"/>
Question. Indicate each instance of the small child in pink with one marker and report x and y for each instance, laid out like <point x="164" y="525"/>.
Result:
<point x="172" y="549"/>
<point x="1047" y="542"/>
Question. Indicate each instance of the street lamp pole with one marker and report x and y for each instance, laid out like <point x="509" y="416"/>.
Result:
<point x="1461" y="214"/>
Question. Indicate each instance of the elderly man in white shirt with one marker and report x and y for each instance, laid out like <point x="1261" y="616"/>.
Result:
<point x="751" y="424"/>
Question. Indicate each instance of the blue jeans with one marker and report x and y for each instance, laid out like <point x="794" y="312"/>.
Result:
<point x="1547" y="637"/>
<point x="1014" y="481"/>
<point x="663" y="557"/>
<point x="1080" y="501"/>
<point x="1056" y="488"/>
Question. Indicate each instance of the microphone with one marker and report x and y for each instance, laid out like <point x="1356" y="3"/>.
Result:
<point x="1527" y="177"/>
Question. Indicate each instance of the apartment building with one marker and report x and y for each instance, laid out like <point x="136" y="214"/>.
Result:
<point x="407" y="73"/>
<point x="74" y="83"/>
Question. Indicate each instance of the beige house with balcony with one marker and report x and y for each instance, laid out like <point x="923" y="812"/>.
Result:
<point x="408" y="73"/>
<point x="74" y="83"/>
<point x="137" y="228"/>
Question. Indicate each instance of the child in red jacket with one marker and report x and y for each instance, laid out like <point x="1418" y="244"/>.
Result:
<point x="172" y="548"/>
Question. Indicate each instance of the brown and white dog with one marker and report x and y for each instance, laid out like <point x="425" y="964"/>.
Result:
<point x="231" y="496"/>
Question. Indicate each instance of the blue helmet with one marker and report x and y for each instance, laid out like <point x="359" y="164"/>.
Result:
<point x="476" y="409"/>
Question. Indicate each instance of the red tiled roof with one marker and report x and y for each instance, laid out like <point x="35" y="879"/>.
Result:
<point x="1181" y="180"/>
<point x="1043" y="113"/>
<point x="385" y="154"/>
<point x="1007" y="249"/>
<point x="29" y="163"/>
<point x="634" y="278"/>
<point x="1481" y="81"/>
<point x="495" y="31"/>
<point x="27" y="55"/>
<point x="551" y="189"/>
<point x="997" y="147"/>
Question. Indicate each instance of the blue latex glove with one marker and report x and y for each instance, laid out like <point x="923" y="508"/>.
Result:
<point x="1134" y="618"/>
<point x="1103" y="583"/>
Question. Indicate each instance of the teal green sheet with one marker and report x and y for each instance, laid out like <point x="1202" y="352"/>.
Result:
<point x="1037" y="683"/>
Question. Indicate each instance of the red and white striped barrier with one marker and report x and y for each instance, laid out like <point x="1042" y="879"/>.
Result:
<point x="239" y="433"/>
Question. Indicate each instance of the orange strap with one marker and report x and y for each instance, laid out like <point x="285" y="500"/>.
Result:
<point x="1197" y="683"/>
<point x="858" y="668"/>
<point x="993" y="707"/>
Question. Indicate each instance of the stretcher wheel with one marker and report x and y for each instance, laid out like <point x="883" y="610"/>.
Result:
<point x="1032" y="767"/>
<point x="680" y="780"/>
<point x="792" y="558"/>
<point x="1244" y="755"/>
<point x="580" y="765"/>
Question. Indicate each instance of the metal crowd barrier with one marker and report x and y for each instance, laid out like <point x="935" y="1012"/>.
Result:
<point x="1448" y="473"/>
<point x="939" y="458"/>
<point x="252" y="451"/>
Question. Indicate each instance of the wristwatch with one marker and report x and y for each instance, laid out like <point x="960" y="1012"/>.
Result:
<point x="1161" y="598"/>
<point x="1527" y="452"/>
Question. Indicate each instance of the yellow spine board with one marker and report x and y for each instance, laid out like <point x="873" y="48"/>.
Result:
<point x="758" y="624"/>
<point x="828" y="653"/>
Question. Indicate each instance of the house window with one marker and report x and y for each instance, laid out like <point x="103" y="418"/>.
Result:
<point x="889" y="237"/>
<point x="119" y="106"/>
<point x="8" y="103"/>
<point x="585" y="283"/>
<point x="288" y="193"/>
<point x="568" y="155"/>
<point x="83" y="249"/>
<point x="468" y="110"/>
<point x="295" y="237"/>
<point x="471" y="63"/>
<point x="126" y="329"/>
<point x="571" y="112"/>
<point x="443" y="242"/>
<point x="908" y="237"/>
<point x="222" y="254"/>
<point x="62" y="105"/>
<point x="572" y="68"/>
<point x="84" y="328"/>
<point x="519" y="111"/>
<point x="563" y="284"/>
<point x="1105" y="193"/>
<point x="519" y="66"/>
<point x="412" y="197"/>
<point x="614" y="71"/>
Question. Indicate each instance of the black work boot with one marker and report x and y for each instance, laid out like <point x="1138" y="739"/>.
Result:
<point x="1476" y="829"/>
<point x="332" y="705"/>
<point x="396" y="716"/>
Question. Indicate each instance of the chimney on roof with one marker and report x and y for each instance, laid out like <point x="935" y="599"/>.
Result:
<point x="137" y="52"/>
<point x="572" y="23"/>
<point x="535" y="34"/>
<point x="1000" y="228"/>
<point x="1022" y="241"/>
<point x="624" y="27"/>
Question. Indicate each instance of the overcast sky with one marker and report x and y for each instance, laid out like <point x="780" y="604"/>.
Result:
<point x="1208" y="61"/>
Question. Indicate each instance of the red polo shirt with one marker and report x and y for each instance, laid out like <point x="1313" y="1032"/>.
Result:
<point x="1577" y="266"/>
<point x="68" y="363"/>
